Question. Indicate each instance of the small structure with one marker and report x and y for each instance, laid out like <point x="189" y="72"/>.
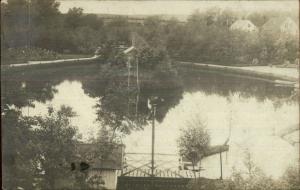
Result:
<point x="212" y="153"/>
<point x="243" y="25"/>
<point x="102" y="172"/>
<point x="283" y="26"/>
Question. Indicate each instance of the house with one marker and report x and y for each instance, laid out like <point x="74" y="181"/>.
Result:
<point x="243" y="25"/>
<point x="281" y="26"/>
<point x="102" y="172"/>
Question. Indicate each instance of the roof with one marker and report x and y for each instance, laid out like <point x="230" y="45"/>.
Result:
<point x="245" y="25"/>
<point x="128" y="50"/>
<point x="274" y="24"/>
<point x="112" y="161"/>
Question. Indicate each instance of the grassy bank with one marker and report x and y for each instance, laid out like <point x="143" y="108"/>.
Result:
<point x="23" y="55"/>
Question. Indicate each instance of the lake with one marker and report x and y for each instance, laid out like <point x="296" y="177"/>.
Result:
<point x="250" y="111"/>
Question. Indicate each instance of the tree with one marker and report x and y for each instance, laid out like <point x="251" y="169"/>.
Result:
<point x="118" y="31"/>
<point x="150" y="58"/>
<point x="14" y="23"/>
<point x="92" y="21"/>
<point x="18" y="151"/>
<point x="253" y="178"/>
<point x="44" y="12"/>
<point x="193" y="141"/>
<point x="74" y="17"/>
<point x="56" y="146"/>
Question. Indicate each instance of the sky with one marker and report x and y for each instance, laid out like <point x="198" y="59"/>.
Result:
<point x="172" y="7"/>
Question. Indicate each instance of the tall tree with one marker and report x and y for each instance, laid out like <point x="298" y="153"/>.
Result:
<point x="193" y="141"/>
<point x="18" y="151"/>
<point x="44" y="12"/>
<point x="74" y="17"/>
<point x="56" y="146"/>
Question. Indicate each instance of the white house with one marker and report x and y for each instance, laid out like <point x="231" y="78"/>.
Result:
<point x="243" y="25"/>
<point x="282" y="26"/>
<point x="102" y="171"/>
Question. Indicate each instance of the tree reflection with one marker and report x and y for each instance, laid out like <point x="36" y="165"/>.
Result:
<point x="224" y="85"/>
<point x="122" y="105"/>
<point x="22" y="92"/>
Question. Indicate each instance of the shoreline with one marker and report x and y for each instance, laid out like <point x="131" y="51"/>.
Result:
<point x="261" y="72"/>
<point x="57" y="62"/>
<point x="280" y="76"/>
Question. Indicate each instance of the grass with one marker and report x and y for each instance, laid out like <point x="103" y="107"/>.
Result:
<point x="73" y="56"/>
<point x="23" y="55"/>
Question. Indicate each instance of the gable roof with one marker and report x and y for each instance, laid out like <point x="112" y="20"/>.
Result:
<point x="244" y="25"/>
<point x="274" y="24"/>
<point x="87" y="152"/>
<point x="128" y="50"/>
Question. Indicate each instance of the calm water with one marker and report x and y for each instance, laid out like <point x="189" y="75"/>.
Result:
<point x="254" y="110"/>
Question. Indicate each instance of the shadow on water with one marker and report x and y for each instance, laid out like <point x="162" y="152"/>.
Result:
<point x="122" y="100"/>
<point x="223" y="84"/>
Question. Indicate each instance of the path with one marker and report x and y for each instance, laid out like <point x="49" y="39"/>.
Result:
<point x="30" y="63"/>
<point x="279" y="75"/>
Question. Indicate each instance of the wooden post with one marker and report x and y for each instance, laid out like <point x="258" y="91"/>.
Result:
<point x="153" y="139"/>
<point x="123" y="160"/>
<point x="221" y="166"/>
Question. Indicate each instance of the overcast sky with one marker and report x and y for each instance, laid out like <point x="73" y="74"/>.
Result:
<point x="171" y="7"/>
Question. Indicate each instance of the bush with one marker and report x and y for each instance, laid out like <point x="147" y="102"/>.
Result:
<point x="22" y="55"/>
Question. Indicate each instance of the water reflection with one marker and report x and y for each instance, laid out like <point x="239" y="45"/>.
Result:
<point x="224" y="85"/>
<point x="255" y="126"/>
<point x="250" y="107"/>
<point x="123" y="100"/>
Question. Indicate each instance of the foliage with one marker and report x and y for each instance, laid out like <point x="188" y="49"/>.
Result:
<point x="18" y="150"/>
<point x="107" y="141"/>
<point x="193" y="141"/>
<point x="37" y="150"/>
<point x="55" y="146"/>
<point x="38" y="23"/>
<point x="22" y="55"/>
<point x="205" y="37"/>
<point x="150" y="58"/>
<point x="290" y="179"/>
<point x="253" y="179"/>
<point x="118" y="31"/>
<point x="73" y="18"/>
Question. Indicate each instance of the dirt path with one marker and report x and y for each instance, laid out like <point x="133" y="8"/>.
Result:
<point x="289" y="76"/>
<point x="30" y="63"/>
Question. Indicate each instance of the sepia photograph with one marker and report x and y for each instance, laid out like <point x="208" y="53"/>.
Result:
<point x="150" y="95"/>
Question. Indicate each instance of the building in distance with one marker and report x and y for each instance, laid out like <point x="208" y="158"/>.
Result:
<point x="283" y="26"/>
<point x="243" y="25"/>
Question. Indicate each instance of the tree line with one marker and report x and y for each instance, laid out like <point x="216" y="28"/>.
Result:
<point x="205" y="37"/>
